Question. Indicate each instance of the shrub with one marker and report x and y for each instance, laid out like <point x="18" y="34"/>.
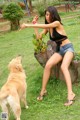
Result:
<point x="77" y="56"/>
<point x="41" y="10"/>
<point x="21" y="4"/>
<point x="13" y="13"/>
<point x="1" y="7"/>
<point x="39" y="45"/>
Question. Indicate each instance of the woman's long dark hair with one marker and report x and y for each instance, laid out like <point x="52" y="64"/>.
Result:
<point x="54" y="16"/>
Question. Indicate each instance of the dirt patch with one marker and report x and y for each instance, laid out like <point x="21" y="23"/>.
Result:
<point x="4" y="25"/>
<point x="2" y="20"/>
<point x="5" y="28"/>
<point x="62" y="8"/>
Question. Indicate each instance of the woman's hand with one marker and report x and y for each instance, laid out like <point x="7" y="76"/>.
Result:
<point x="23" y="26"/>
<point x="35" y="19"/>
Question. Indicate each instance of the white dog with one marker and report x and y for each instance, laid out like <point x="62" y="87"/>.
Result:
<point x="14" y="89"/>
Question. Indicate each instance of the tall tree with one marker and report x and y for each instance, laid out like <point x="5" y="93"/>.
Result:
<point x="30" y="5"/>
<point x="25" y="2"/>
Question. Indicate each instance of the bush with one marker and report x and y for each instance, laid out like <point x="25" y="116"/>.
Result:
<point x="39" y="45"/>
<point x="41" y="10"/>
<point x="21" y="4"/>
<point x="77" y="56"/>
<point x="13" y="13"/>
<point x="41" y="6"/>
<point x="1" y="7"/>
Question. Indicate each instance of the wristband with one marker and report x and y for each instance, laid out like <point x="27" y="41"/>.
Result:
<point x="34" y="22"/>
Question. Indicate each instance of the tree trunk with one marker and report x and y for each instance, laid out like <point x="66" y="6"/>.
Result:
<point x="15" y="25"/>
<point x="30" y="5"/>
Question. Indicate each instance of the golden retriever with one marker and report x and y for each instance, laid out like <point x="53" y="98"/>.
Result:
<point x="14" y="90"/>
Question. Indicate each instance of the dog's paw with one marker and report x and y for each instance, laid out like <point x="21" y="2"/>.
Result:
<point x="27" y="107"/>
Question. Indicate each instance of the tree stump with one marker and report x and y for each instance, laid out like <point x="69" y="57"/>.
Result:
<point x="41" y="58"/>
<point x="15" y="25"/>
<point x="74" y="67"/>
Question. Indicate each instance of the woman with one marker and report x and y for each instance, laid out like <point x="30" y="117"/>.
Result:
<point x="65" y="52"/>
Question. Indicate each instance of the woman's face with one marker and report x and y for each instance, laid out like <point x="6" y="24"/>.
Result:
<point x="47" y="15"/>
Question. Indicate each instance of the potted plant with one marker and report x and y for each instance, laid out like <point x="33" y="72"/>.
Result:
<point x="40" y="49"/>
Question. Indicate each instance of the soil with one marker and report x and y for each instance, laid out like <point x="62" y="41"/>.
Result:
<point x="2" y="20"/>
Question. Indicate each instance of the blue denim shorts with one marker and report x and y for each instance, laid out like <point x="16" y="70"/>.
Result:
<point x="65" y="48"/>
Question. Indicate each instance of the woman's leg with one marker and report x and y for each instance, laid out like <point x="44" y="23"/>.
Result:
<point x="64" y="67"/>
<point x="54" y="59"/>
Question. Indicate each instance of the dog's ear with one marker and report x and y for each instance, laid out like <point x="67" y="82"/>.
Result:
<point x="19" y="67"/>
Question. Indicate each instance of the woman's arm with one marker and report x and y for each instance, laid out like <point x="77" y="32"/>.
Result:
<point x="45" y="31"/>
<point x="34" y="21"/>
<point x="39" y="36"/>
<point x="36" y="33"/>
<point x="44" y="26"/>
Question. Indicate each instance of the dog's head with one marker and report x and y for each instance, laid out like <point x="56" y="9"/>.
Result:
<point x="15" y="64"/>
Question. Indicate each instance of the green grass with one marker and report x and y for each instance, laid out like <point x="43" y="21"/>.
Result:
<point x="51" y="108"/>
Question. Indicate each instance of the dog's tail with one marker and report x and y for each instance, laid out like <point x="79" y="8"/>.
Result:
<point x="3" y="95"/>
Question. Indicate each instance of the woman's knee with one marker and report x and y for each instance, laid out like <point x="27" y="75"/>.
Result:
<point x="48" y="66"/>
<point x="64" y="67"/>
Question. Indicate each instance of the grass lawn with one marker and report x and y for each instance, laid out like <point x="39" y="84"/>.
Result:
<point x="51" y="108"/>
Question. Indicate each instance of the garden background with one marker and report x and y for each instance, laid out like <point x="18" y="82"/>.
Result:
<point x="13" y="43"/>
